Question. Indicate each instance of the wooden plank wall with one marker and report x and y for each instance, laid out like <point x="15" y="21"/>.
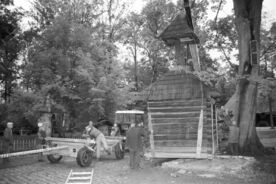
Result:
<point x="175" y="125"/>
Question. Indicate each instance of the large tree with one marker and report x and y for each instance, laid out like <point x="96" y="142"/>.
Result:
<point x="70" y="63"/>
<point x="132" y="39"/>
<point x="248" y="22"/>
<point x="9" y="47"/>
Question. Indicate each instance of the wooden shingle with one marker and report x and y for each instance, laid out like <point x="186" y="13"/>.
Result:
<point x="179" y="29"/>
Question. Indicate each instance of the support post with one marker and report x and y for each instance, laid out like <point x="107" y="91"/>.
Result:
<point x="217" y="128"/>
<point x="151" y="137"/>
<point x="199" y="134"/>
<point x="212" y="119"/>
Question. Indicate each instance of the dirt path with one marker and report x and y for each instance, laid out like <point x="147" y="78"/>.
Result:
<point x="110" y="171"/>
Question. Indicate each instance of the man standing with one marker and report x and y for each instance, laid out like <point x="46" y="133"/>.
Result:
<point x="93" y="132"/>
<point x="134" y="143"/>
<point x="233" y="140"/>
<point x="41" y="138"/>
<point x="8" y="138"/>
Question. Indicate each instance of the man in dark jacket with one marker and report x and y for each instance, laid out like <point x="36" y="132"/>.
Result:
<point x="134" y="143"/>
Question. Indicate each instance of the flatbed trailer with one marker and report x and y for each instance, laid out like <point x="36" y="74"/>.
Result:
<point x="81" y="149"/>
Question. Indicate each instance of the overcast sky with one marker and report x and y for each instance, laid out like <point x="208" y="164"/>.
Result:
<point x="269" y="6"/>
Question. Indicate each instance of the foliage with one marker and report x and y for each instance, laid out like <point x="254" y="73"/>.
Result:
<point x="267" y="53"/>
<point x="156" y="15"/>
<point x="67" y="60"/>
<point x="10" y="47"/>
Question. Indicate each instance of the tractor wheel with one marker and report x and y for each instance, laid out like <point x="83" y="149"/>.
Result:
<point x="54" y="158"/>
<point x="119" y="151"/>
<point x="84" y="157"/>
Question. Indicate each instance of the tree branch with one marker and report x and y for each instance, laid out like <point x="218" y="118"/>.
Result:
<point x="217" y="36"/>
<point x="227" y="58"/>
<point x="220" y="3"/>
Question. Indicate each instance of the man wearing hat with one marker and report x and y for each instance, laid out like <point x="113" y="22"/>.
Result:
<point x="134" y="143"/>
<point x="8" y="138"/>
<point x="92" y="132"/>
<point x="41" y="138"/>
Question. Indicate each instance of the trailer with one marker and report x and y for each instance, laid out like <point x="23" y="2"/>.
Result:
<point x="81" y="149"/>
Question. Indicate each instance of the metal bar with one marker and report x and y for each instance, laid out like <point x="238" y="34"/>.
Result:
<point x="83" y="141"/>
<point x="7" y="155"/>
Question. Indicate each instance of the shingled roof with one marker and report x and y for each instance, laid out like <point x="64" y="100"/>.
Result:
<point x="180" y="28"/>
<point x="174" y="85"/>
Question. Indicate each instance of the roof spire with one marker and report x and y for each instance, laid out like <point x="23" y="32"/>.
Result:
<point x="187" y="8"/>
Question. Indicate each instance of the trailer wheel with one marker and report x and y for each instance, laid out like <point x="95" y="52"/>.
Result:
<point x="54" y="158"/>
<point x="84" y="157"/>
<point x="119" y="151"/>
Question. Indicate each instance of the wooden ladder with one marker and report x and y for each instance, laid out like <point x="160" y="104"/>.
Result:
<point x="80" y="177"/>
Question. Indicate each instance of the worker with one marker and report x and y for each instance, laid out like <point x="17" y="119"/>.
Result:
<point x="8" y="140"/>
<point x="41" y="140"/>
<point x="115" y="130"/>
<point x="92" y="132"/>
<point x="233" y="140"/>
<point x="135" y="145"/>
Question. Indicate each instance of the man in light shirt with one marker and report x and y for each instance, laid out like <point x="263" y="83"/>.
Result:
<point x="92" y="132"/>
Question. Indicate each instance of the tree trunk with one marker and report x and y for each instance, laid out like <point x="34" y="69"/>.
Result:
<point x="247" y="20"/>
<point x="270" y="111"/>
<point x="135" y="67"/>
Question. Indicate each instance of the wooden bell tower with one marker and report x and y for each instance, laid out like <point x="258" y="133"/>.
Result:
<point x="180" y="34"/>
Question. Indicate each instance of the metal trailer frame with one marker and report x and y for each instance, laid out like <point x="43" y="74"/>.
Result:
<point x="81" y="149"/>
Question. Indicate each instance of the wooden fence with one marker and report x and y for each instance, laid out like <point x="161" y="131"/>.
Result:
<point x="20" y="143"/>
<point x="29" y="142"/>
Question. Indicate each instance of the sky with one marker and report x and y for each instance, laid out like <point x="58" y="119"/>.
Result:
<point x="269" y="8"/>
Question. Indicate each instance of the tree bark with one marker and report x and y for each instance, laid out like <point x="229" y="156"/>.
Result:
<point x="270" y="111"/>
<point x="135" y="67"/>
<point x="247" y="20"/>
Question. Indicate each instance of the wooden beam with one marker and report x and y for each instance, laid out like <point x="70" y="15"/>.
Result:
<point x="213" y="140"/>
<point x="179" y="155"/>
<point x="151" y="135"/>
<point x="175" y="115"/>
<point x="178" y="143"/>
<point x="178" y="136"/>
<point x="199" y="134"/>
<point x="177" y="149"/>
<point x="195" y="56"/>
<point x="175" y="120"/>
<point x="217" y="140"/>
<point x="174" y="103"/>
<point x="176" y="109"/>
